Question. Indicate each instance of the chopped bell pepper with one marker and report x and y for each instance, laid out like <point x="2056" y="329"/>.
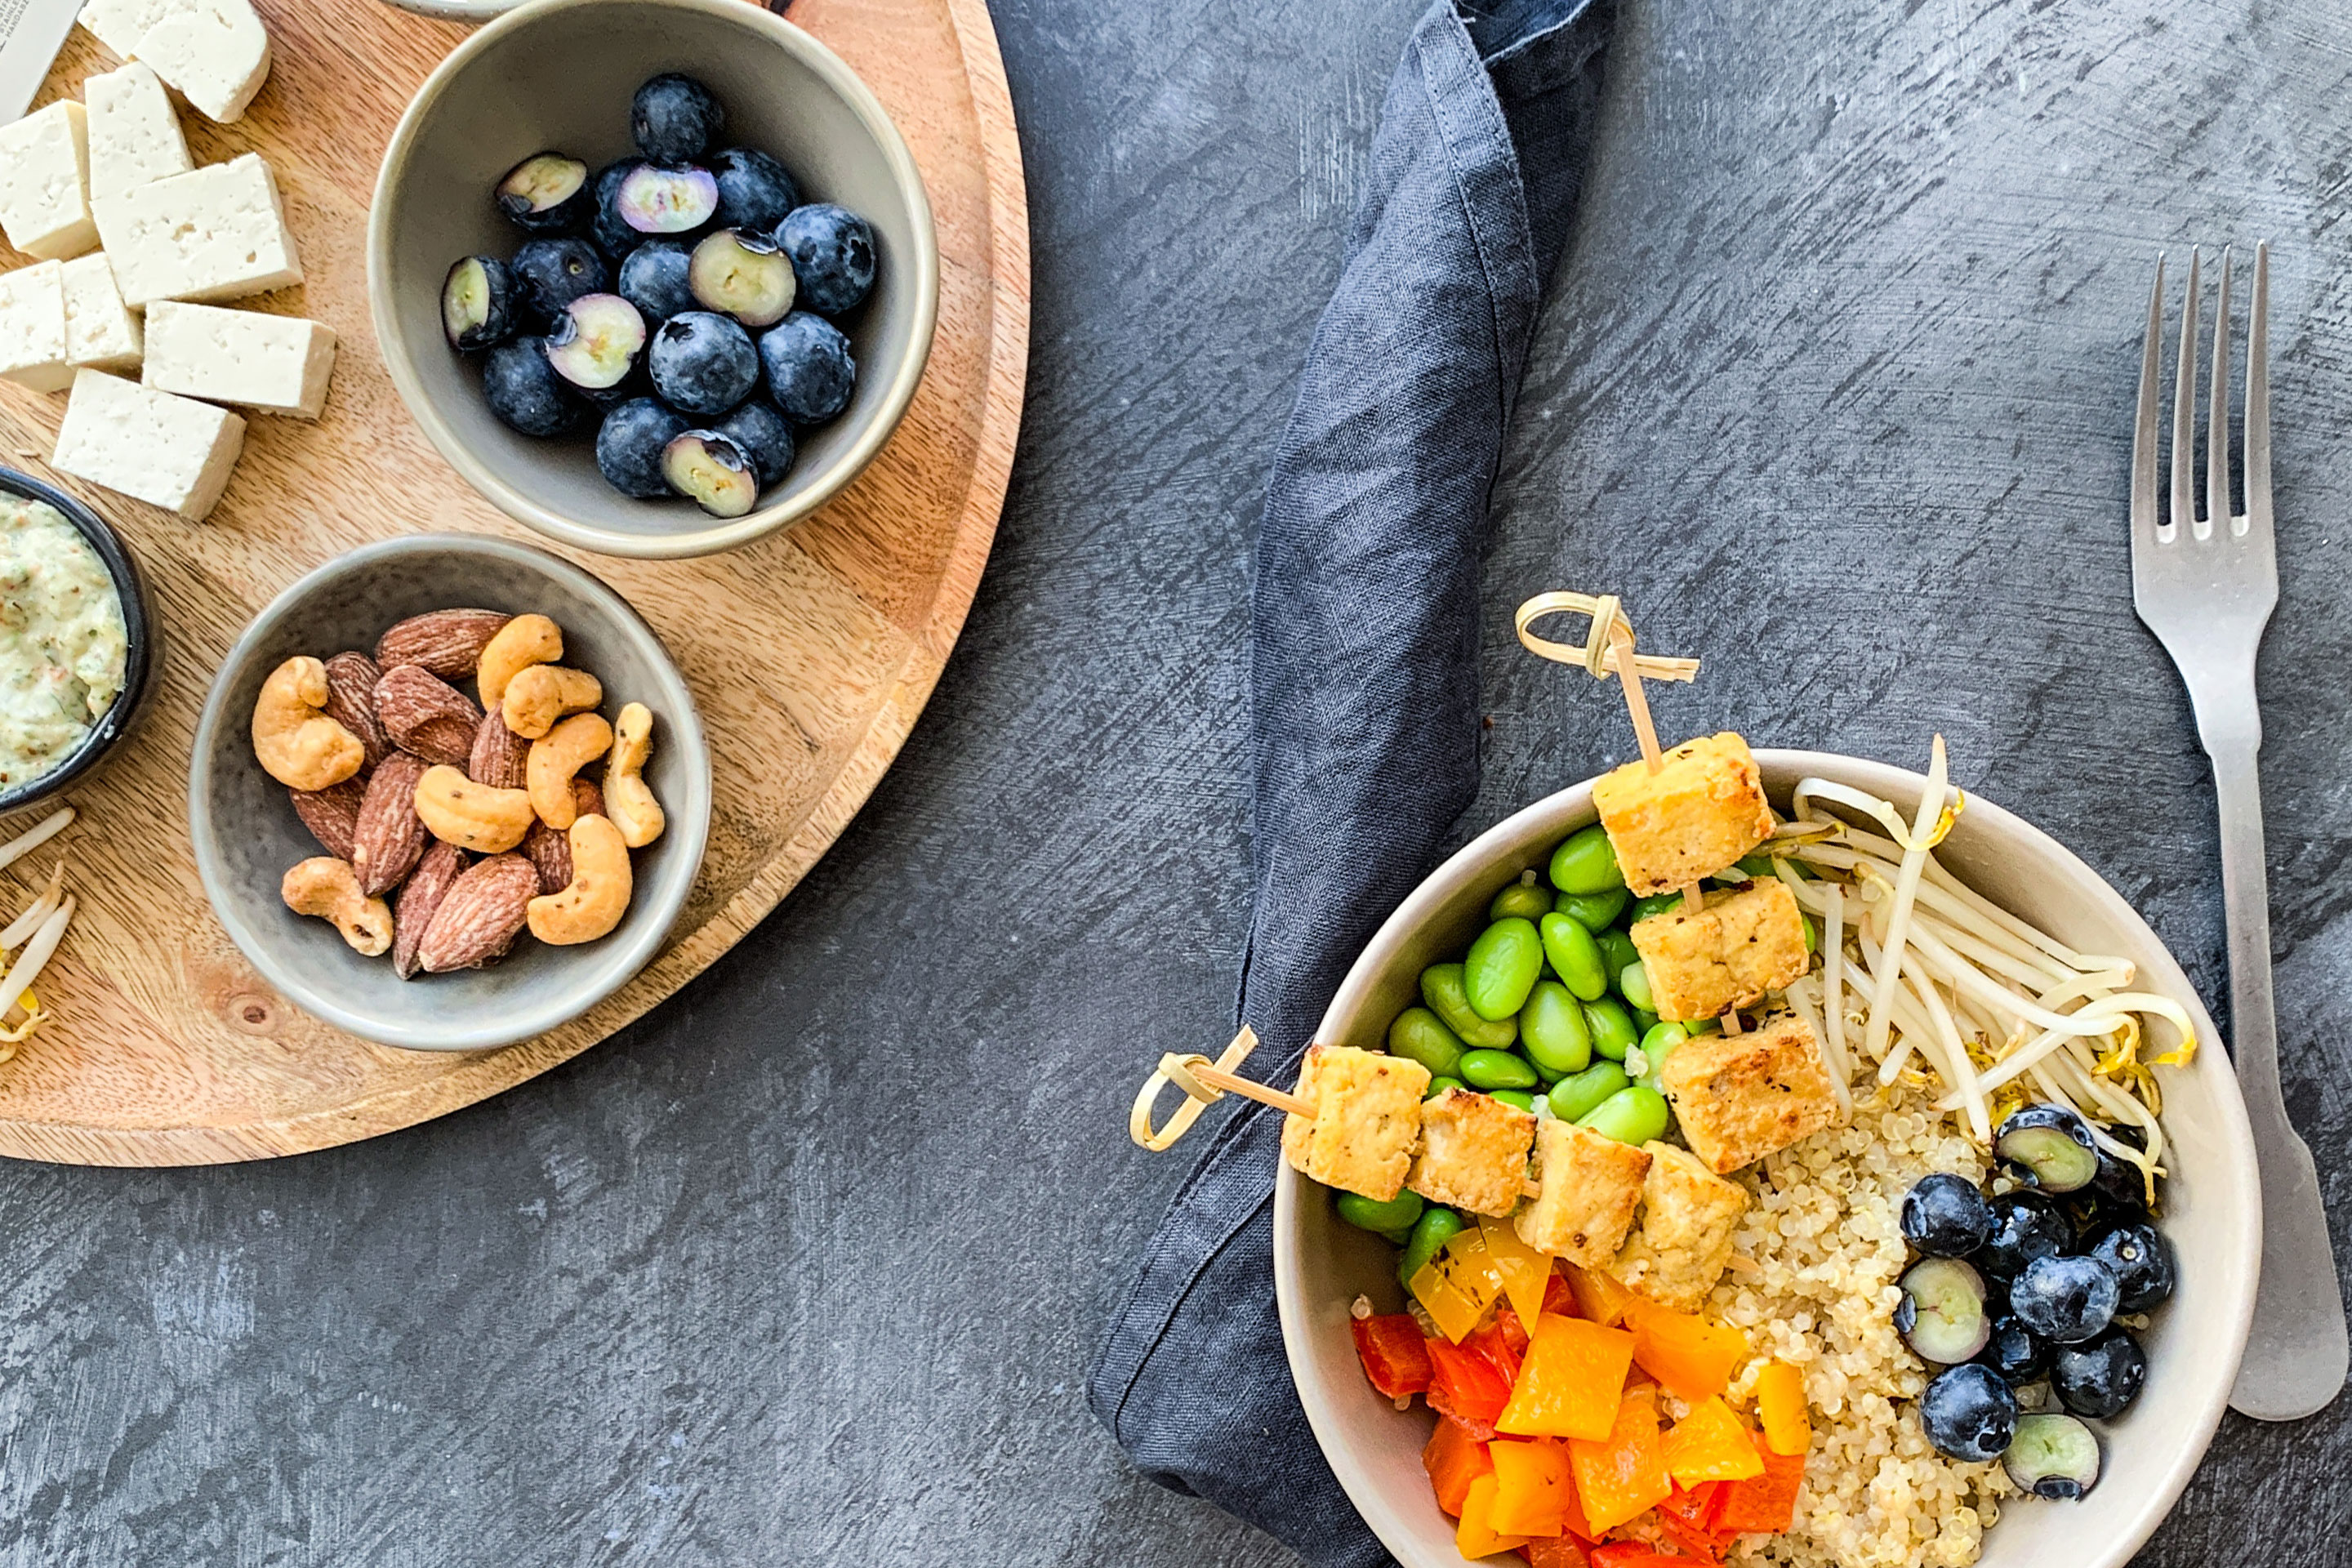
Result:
<point x="1561" y="1551"/>
<point x="1390" y="1348"/>
<point x="1571" y="1382"/>
<point x="1710" y="1444"/>
<point x="1531" y="1481"/>
<point x="1464" y="1384"/>
<point x="1599" y="1296"/>
<point x="1457" y="1286"/>
<point x="1763" y="1504"/>
<point x="1688" y="1517"/>
<point x="1632" y="1554"/>
<point x="1524" y="1270"/>
<point x="1693" y="1358"/>
<point x="1501" y="1341"/>
<point x="1781" y="1406"/>
<point x="1454" y="1459"/>
<point x="1475" y="1537"/>
<point x="1559" y="1301"/>
<point x="1624" y="1474"/>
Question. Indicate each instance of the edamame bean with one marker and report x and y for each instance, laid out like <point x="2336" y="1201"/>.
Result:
<point x="1492" y="1070"/>
<point x="1633" y="984"/>
<point x="1575" y="957"/>
<point x="1526" y="898"/>
<point x="1572" y="1097"/>
<point x="1586" y="862"/>
<point x="1517" y="1097"/>
<point x="1613" y="1032"/>
<point x="1644" y="1022"/>
<point x="1634" y="1115"/>
<point x="1654" y="905"/>
<point x="1438" y="1086"/>
<point x="1552" y="1031"/>
<point x="1435" y="1228"/>
<point x="1367" y="1213"/>
<point x="1441" y="987"/>
<point x="1422" y="1036"/>
<point x="1593" y="911"/>
<point x="1658" y="1043"/>
<point x="1617" y="950"/>
<point x="1501" y="967"/>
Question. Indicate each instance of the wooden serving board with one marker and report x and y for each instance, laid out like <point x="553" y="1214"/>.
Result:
<point x="810" y="654"/>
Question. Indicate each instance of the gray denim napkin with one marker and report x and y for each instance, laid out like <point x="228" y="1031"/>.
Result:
<point x="1365" y="694"/>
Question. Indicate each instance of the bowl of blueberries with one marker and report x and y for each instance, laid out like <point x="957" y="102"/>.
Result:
<point x="657" y="277"/>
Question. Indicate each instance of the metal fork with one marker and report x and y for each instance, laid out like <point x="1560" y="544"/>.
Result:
<point x="2206" y="587"/>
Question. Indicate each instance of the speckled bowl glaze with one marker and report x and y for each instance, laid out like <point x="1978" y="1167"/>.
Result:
<point x="560" y="74"/>
<point x="2212" y="1201"/>
<point x="247" y="834"/>
<point x="142" y="647"/>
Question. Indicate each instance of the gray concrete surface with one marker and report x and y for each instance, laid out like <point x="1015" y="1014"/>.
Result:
<point x="807" y="1267"/>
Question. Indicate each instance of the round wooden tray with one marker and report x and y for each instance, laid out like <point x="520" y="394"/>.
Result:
<point x="810" y="655"/>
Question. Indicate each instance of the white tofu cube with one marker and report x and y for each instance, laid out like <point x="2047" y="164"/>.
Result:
<point x="214" y="233"/>
<point x="169" y="451"/>
<point x="216" y="52"/>
<point x="45" y="183"/>
<point x="121" y="24"/>
<point x="100" y="331"/>
<point x="33" y="327"/>
<point x="279" y="364"/>
<point x="134" y="137"/>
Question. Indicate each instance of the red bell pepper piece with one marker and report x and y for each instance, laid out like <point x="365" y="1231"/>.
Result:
<point x="1559" y="1297"/>
<point x="1632" y="1554"/>
<point x="1466" y="1385"/>
<point x="1390" y="1348"/>
<point x="1555" y="1552"/>
<point x="1688" y="1517"/>
<point x="1503" y="1343"/>
<point x="1765" y="1504"/>
<point x="1455" y="1459"/>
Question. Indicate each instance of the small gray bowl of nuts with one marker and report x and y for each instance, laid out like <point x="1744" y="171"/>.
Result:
<point x="448" y="792"/>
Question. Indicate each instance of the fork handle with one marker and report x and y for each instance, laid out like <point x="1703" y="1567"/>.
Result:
<point x="2297" y="1355"/>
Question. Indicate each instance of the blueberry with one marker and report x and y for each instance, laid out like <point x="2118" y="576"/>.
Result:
<point x="742" y="275"/>
<point x="597" y="344"/>
<point x="2015" y="1352"/>
<point x="711" y="471"/>
<point x="674" y="117"/>
<point x="654" y="279"/>
<point x="477" y="303"/>
<point x="2050" y="1144"/>
<point x="1942" y="1314"/>
<point x="524" y="391"/>
<point x="2099" y="1379"/>
<point x="629" y="446"/>
<point x="614" y="237"/>
<point x="754" y="190"/>
<point x="653" y="199"/>
<point x="810" y="372"/>
<point x="552" y="273"/>
<point x="2119" y="1190"/>
<point x="832" y="254"/>
<point x="547" y="193"/>
<point x="2025" y="1226"/>
<point x="2053" y="1455"/>
<point x="1946" y="1217"/>
<point x="2064" y="1299"/>
<point x="764" y="437"/>
<point x="2141" y="1260"/>
<point x="703" y="363"/>
<point x="1969" y="1414"/>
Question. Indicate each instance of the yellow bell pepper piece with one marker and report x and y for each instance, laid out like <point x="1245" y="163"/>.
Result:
<point x="1625" y="1476"/>
<point x="1474" y="1536"/>
<point x="1570" y="1379"/>
<point x="1457" y="1286"/>
<point x="1781" y="1406"/>
<point x="1533" y="1489"/>
<point x="1523" y="1270"/>
<point x="1693" y="1358"/>
<point x="1710" y="1445"/>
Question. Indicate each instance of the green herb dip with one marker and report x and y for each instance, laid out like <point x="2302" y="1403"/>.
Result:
<point x="62" y="643"/>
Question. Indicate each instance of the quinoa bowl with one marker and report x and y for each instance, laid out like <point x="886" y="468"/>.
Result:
<point x="1821" y="1249"/>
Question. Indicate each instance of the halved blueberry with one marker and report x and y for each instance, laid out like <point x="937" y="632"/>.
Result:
<point x="711" y="471"/>
<point x="547" y="193"/>
<point x="743" y="275"/>
<point x="754" y="190"/>
<point x="597" y="344"/>
<point x="523" y="390"/>
<point x="654" y="279"/>
<point x="702" y="362"/>
<point x="552" y="273"/>
<point x="657" y="200"/>
<point x="2050" y="1143"/>
<point x="612" y="236"/>
<point x="674" y="117"/>
<point x="477" y="303"/>
<point x="2053" y="1455"/>
<point x="810" y="372"/>
<point x="1942" y="1314"/>
<point x="761" y="435"/>
<point x="629" y="446"/>
<point x="832" y="253"/>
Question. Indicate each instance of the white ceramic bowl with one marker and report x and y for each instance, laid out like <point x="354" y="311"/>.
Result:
<point x="2212" y="1203"/>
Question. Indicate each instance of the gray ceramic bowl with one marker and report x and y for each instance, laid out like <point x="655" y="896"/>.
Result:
<point x="2212" y="1199"/>
<point x="560" y="74"/>
<point x="247" y="834"/>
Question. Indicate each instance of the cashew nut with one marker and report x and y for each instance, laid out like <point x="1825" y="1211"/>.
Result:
<point x="330" y="888"/>
<point x="598" y="894"/>
<point x="628" y="799"/>
<point x="297" y="745"/>
<point x="555" y="757"/>
<point x="536" y="697"/>
<point x="522" y="642"/>
<point x="471" y="815"/>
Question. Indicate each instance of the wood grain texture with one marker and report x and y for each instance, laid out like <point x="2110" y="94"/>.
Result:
<point x="810" y="655"/>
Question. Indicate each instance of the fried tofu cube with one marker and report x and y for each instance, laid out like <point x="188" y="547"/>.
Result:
<point x="1473" y="1152"/>
<point x="1697" y="814"/>
<point x="1742" y="1096"/>
<point x="1367" y="1120"/>
<point x="1688" y="1216"/>
<point x="1592" y="1184"/>
<point x="1740" y="947"/>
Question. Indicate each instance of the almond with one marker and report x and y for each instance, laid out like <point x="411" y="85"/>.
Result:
<point x="332" y="814"/>
<point x="419" y="898"/>
<point x="426" y="715"/>
<point x="350" y="702"/>
<point x="390" y="836"/>
<point x="448" y="643"/>
<point x="500" y="755"/>
<point x="478" y="919"/>
<point x="551" y="851"/>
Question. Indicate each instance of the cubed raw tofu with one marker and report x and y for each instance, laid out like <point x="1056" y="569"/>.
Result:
<point x="214" y="233"/>
<point x="33" y="327"/>
<point x="1591" y="1186"/>
<point x="134" y="137"/>
<point x="121" y="24"/>
<point x="1741" y="1097"/>
<point x="1473" y="1152"/>
<point x="1367" y="1120"/>
<point x="279" y="364"/>
<point x="170" y="452"/>
<point x="100" y="331"/>
<point x="1740" y="947"/>
<point x="1688" y="1217"/>
<point x="1698" y="814"/>
<point x="45" y="183"/>
<point x="216" y="52"/>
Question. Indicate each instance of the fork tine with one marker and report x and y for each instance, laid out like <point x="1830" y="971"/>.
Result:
<point x="2258" y="395"/>
<point x="2183" y="513"/>
<point x="2216" y="410"/>
<point x="2144" y="430"/>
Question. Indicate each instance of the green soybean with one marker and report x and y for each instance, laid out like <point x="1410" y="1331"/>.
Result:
<point x="1501" y="967"/>
<point x="1575" y="957"/>
<point x="1440" y="1084"/>
<point x="1572" y="1097"/>
<point x="1643" y="1023"/>
<point x="1399" y="1213"/>
<point x="1633" y="984"/>
<point x="1518" y="1097"/>
<point x="1553" y="1032"/>
<point x="1435" y="1228"/>
<point x="1528" y="899"/>
<point x="1497" y="1069"/>
<point x="1658" y="1043"/>
<point x="1441" y="988"/>
<point x="1586" y="862"/>
<point x="1617" y="950"/>
<point x="1593" y="911"/>
<point x="1632" y="1115"/>
<point x="1654" y="905"/>
<point x="1613" y="1032"/>
<point x="1420" y="1035"/>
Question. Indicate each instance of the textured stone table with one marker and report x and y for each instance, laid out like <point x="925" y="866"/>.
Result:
<point x="808" y="1268"/>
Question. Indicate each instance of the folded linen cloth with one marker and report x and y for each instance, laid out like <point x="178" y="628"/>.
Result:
<point x="1365" y="694"/>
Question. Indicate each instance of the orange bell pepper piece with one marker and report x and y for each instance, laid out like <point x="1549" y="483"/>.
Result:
<point x="1765" y="1504"/>
<point x="1570" y="1382"/>
<point x="1531" y="1484"/>
<point x="1710" y="1445"/>
<point x="1559" y="1299"/>
<point x="1555" y="1552"/>
<point x="1693" y="1358"/>
<point x="1597" y="1295"/>
<point x="1687" y="1519"/>
<point x="1475" y="1537"/>
<point x="1781" y="1406"/>
<point x="1625" y="1474"/>
<point x="1454" y="1459"/>
<point x="1632" y="1554"/>
<point x="1464" y="1384"/>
